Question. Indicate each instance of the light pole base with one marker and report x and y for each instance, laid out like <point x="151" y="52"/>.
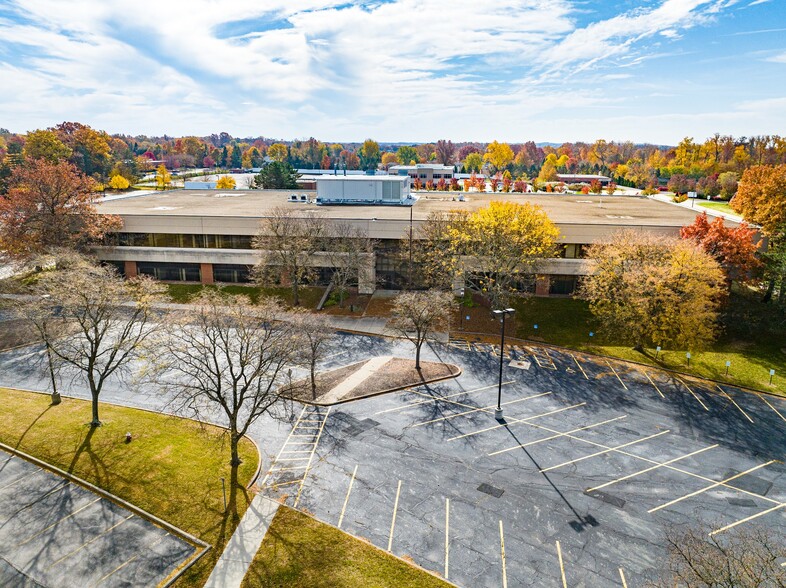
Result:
<point x="498" y="414"/>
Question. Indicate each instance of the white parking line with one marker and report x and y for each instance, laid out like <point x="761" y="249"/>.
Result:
<point x="440" y="398"/>
<point x="489" y="408"/>
<point x="746" y="519"/>
<point x="771" y="406"/>
<point x="654" y="384"/>
<point x="393" y="521"/>
<point x="522" y="445"/>
<point x="561" y="566"/>
<point x="596" y="454"/>
<point x="622" y="577"/>
<point x="579" y="366"/>
<point x="502" y="553"/>
<point x="711" y="486"/>
<point x="346" y="500"/>
<point x="745" y="414"/>
<point x="694" y="394"/>
<point x="447" y="537"/>
<point x="514" y="421"/>
<point x="616" y="374"/>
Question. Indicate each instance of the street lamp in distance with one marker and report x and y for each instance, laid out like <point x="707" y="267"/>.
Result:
<point x="502" y="313"/>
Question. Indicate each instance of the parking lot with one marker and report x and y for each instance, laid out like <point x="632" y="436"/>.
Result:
<point x="576" y="487"/>
<point x="54" y="532"/>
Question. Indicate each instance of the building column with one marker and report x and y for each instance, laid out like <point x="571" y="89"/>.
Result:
<point x="367" y="276"/>
<point x="130" y="269"/>
<point x="206" y="273"/>
<point x="542" y="285"/>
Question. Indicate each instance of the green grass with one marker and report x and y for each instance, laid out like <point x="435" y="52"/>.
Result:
<point x="752" y="350"/>
<point x="720" y="206"/>
<point x="300" y="552"/>
<point x="172" y="468"/>
<point x="309" y="295"/>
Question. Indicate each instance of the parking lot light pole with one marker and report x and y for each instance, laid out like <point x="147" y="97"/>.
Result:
<point x="501" y="313"/>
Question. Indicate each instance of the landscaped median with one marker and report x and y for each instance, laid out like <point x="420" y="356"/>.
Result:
<point x="172" y="468"/>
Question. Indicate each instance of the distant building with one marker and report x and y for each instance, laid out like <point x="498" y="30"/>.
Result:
<point x="426" y="172"/>
<point x="583" y="179"/>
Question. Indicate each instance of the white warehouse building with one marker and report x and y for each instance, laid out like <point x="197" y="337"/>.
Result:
<point x="366" y="189"/>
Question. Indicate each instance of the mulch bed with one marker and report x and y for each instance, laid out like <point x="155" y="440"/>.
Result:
<point x="396" y="374"/>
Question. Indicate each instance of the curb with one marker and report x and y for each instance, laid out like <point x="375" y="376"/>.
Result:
<point x="205" y="547"/>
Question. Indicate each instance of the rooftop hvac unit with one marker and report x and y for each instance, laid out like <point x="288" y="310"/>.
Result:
<point x="304" y="198"/>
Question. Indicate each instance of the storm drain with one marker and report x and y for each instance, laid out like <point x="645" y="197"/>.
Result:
<point x="490" y="490"/>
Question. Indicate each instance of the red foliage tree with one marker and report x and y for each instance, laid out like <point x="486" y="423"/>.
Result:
<point x="50" y="205"/>
<point x="454" y="185"/>
<point x="442" y="185"/>
<point x="733" y="247"/>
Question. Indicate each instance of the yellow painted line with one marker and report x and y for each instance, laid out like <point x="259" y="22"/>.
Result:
<point x="649" y="469"/>
<point x="694" y="394"/>
<point x="280" y="459"/>
<point x="654" y="384"/>
<point x="440" y="398"/>
<point x="346" y="499"/>
<point x="310" y="458"/>
<point x="298" y="451"/>
<point x="767" y="402"/>
<point x="61" y="485"/>
<point x="42" y="531"/>
<point x="596" y="454"/>
<point x="622" y="577"/>
<point x="19" y="479"/>
<point x="579" y="366"/>
<point x="616" y="374"/>
<point x="502" y="553"/>
<point x="289" y="469"/>
<point x="561" y="566"/>
<point x="393" y="520"/>
<point x="96" y="538"/>
<point x="488" y="408"/>
<point x="447" y="537"/>
<point x="522" y="445"/>
<point x="745" y="414"/>
<point x="515" y="421"/>
<point x="750" y="518"/>
<point x="281" y="484"/>
<point x="711" y="486"/>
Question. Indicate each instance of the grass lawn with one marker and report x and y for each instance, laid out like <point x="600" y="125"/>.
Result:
<point x="309" y="295"/>
<point x="172" y="468"/>
<point x="715" y="205"/>
<point x="568" y="322"/>
<point x="301" y="552"/>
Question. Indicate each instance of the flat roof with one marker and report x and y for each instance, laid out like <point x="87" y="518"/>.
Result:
<point x="561" y="208"/>
<point x="356" y="178"/>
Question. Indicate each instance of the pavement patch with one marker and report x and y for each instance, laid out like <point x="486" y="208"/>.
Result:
<point x="490" y="490"/>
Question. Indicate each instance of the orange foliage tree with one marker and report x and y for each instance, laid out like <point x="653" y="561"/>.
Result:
<point x="50" y="205"/>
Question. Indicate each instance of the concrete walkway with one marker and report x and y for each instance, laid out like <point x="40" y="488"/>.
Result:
<point x="367" y="370"/>
<point x="234" y="562"/>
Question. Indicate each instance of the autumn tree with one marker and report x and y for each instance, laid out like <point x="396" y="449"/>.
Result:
<point x="163" y="177"/>
<point x="118" y="182"/>
<point x="46" y="145"/>
<point x="226" y="183"/>
<point x="495" y="249"/>
<point x="369" y="154"/>
<point x="734" y="248"/>
<point x="278" y="152"/>
<point x="727" y="184"/>
<point x="651" y="290"/>
<point x="498" y="156"/>
<point x="225" y="354"/>
<point x="761" y="198"/>
<point x="406" y="155"/>
<point x="286" y="243"/>
<point x="445" y="151"/>
<point x="418" y="315"/>
<point x="50" y="205"/>
<point x="277" y="175"/>
<point x="473" y="162"/>
<point x="681" y="184"/>
<point x="107" y="320"/>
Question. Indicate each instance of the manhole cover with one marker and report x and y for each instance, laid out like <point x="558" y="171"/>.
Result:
<point x="490" y="490"/>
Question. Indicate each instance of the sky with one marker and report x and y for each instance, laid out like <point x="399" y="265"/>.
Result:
<point x="398" y="70"/>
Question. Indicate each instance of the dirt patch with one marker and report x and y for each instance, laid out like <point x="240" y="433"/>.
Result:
<point x="16" y="333"/>
<point x="370" y="378"/>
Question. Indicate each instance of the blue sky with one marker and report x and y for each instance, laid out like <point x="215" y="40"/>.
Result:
<point x="398" y="70"/>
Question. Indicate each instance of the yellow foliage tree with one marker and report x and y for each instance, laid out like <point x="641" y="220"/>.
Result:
<point x="226" y="183"/>
<point x="118" y="182"/>
<point x="163" y="177"/>
<point x="277" y="152"/>
<point x="498" y="155"/>
<point x="652" y="290"/>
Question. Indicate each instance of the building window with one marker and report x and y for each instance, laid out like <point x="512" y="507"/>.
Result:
<point x="422" y="176"/>
<point x="230" y="273"/>
<point x="170" y="272"/>
<point x="572" y="251"/>
<point x="562" y="285"/>
<point x="176" y="240"/>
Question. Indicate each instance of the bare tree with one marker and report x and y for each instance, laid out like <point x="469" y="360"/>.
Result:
<point x="416" y="315"/>
<point x="107" y="319"/>
<point x="225" y="354"/>
<point x="348" y="249"/>
<point x="748" y="558"/>
<point x="314" y="335"/>
<point x="286" y="242"/>
<point x="39" y="313"/>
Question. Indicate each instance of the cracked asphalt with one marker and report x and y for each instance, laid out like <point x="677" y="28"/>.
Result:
<point x="594" y="461"/>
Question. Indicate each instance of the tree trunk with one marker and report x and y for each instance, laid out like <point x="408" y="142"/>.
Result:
<point x="295" y="293"/>
<point x="313" y="381"/>
<point x="417" y="355"/>
<point x="770" y="289"/>
<point x="96" y="422"/>
<point x="55" y="394"/>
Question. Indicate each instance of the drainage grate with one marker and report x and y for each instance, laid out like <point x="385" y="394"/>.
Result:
<point x="746" y="502"/>
<point x="607" y="498"/>
<point x="490" y="490"/>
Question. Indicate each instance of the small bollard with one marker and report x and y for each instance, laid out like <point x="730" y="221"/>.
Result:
<point x="728" y="363"/>
<point x="128" y="437"/>
<point x="657" y="351"/>
<point x="687" y="355"/>
<point x="772" y="373"/>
